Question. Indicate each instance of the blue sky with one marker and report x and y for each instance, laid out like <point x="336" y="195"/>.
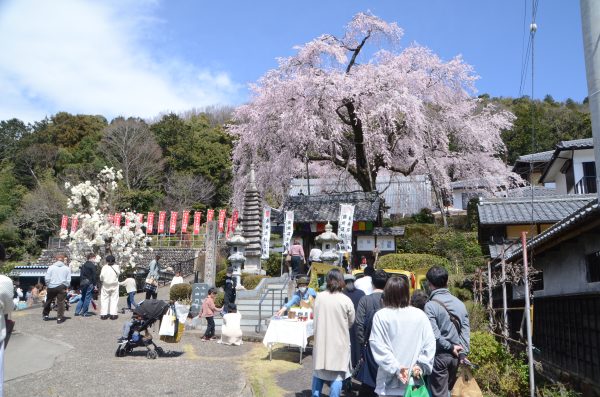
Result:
<point x="141" y="58"/>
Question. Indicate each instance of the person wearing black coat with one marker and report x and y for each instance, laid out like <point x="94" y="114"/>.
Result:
<point x="87" y="284"/>
<point x="230" y="285"/>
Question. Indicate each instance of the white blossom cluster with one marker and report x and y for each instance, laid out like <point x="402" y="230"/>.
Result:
<point x="95" y="231"/>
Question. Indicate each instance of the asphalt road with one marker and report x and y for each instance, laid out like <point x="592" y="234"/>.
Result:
<point x="77" y="358"/>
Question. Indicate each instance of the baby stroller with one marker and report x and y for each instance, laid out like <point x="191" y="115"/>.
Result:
<point x="145" y="315"/>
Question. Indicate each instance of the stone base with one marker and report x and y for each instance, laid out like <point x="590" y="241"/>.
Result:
<point x="252" y="265"/>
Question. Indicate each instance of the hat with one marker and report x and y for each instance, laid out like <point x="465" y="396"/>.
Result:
<point x="349" y="277"/>
<point x="110" y="259"/>
<point x="302" y="280"/>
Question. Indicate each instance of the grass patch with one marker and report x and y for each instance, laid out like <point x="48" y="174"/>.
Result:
<point x="261" y="373"/>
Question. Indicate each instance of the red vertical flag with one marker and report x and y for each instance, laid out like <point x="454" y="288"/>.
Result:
<point x="222" y="214"/>
<point x="162" y="216"/>
<point x="185" y="219"/>
<point x="210" y="214"/>
<point x="197" y="218"/>
<point x="117" y="219"/>
<point x="234" y="219"/>
<point x="229" y="228"/>
<point x="74" y="223"/>
<point x="64" y="222"/>
<point x="173" y="222"/>
<point x="111" y="218"/>
<point x="127" y="220"/>
<point x="140" y="218"/>
<point x="149" y="222"/>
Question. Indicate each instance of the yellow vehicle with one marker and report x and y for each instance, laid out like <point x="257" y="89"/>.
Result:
<point x="318" y="272"/>
<point x="409" y="276"/>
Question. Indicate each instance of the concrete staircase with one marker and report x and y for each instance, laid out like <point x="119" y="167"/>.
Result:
<point x="273" y="291"/>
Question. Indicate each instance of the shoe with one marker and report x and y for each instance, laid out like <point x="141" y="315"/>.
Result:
<point x="87" y="315"/>
<point x="121" y="339"/>
<point x="114" y="317"/>
<point x="214" y="338"/>
<point x="204" y="339"/>
<point x="77" y="314"/>
<point x="61" y="320"/>
<point x="105" y="317"/>
<point x="46" y="318"/>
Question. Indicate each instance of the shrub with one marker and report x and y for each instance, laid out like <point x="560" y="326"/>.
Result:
<point x="478" y="317"/>
<point x="557" y="390"/>
<point x="411" y="262"/>
<point x="423" y="216"/>
<point x="499" y="372"/>
<point x="219" y="299"/>
<point x="250" y="281"/>
<point x="272" y="266"/>
<point x="180" y="292"/>
<point x="220" y="278"/>
<point x="461" y="293"/>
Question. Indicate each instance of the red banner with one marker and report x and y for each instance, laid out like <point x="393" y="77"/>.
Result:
<point x="234" y="219"/>
<point x="185" y="219"/>
<point x="210" y="215"/>
<point x="64" y="222"/>
<point x="173" y="222"/>
<point x="111" y="219"/>
<point x="140" y="218"/>
<point x="197" y="218"/>
<point x="127" y="220"/>
<point x="162" y="216"/>
<point x="74" y="223"/>
<point x="222" y="214"/>
<point x="117" y="219"/>
<point x="150" y="223"/>
<point x="229" y="228"/>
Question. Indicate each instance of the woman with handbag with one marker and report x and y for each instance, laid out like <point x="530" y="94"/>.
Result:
<point x="109" y="295"/>
<point x="297" y="253"/>
<point x="401" y="341"/>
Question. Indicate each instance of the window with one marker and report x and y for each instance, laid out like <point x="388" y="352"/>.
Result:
<point x="592" y="262"/>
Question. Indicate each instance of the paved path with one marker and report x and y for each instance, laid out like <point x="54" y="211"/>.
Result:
<point x="77" y="358"/>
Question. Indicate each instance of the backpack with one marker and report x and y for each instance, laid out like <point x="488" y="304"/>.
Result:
<point x="453" y="317"/>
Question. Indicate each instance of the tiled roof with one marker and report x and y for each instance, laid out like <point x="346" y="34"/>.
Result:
<point x="534" y="157"/>
<point x="584" y="143"/>
<point x="551" y="209"/>
<point x="326" y="207"/>
<point x="389" y="231"/>
<point x="525" y="191"/>
<point x="582" y="215"/>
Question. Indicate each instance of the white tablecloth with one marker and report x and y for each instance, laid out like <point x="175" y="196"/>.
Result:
<point x="289" y="332"/>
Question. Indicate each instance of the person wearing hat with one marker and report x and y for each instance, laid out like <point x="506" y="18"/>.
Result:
<point x="229" y="289"/>
<point x="109" y="294"/>
<point x="354" y="294"/>
<point x="303" y="293"/>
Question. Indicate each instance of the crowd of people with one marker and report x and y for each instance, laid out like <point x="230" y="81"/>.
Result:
<point x="385" y="338"/>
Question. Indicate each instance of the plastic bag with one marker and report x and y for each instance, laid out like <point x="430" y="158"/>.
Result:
<point x="416" y="389"/>
<point x="181" y="311"/>
<point x="466" y="385"/>
<point x="167" y="324"/>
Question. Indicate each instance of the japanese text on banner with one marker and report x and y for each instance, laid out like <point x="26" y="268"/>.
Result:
<point x="173" y="222"/>
<point x="229" y="228"/>
<point x="117" y="219"/>
<point x="197" y="218"/>
<point x="74" y="223"/>
<point x="210" y="215"/>
<point x="288" y="229"/>
<point x="150" y="223"/>
<point x="266" y="233"/>
<point x="234" y="219"/>
<point x="185" y="219"/>
<point x="222" y="214"/>
<point x="162" y="216"/>
<point x="345" y="226"/>
<point x="64" y="222"/>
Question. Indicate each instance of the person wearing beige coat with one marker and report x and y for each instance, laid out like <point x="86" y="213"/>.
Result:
<point x="333" y="317"/>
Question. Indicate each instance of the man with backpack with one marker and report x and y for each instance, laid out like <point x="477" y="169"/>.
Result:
<point x="450" y="322"/>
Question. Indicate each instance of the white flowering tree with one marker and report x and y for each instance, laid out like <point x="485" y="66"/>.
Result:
<point x="96" y="231"/>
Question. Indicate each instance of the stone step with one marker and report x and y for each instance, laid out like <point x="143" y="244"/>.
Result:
<point x="241" y="303"/>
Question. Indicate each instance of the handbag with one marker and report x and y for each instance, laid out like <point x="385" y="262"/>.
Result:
<point x="167" y="324"/>
<point x="288" y="258"/>
<point x="152" y="281"/>
<point x="466" y="385"/>
<point x="416" y="389"/>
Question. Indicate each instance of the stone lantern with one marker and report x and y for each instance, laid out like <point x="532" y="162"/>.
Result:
<point x="237" y="247"/>
<point x="329" y="241"/>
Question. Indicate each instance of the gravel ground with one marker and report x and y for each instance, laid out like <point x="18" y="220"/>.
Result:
<point x="77" y="358"/>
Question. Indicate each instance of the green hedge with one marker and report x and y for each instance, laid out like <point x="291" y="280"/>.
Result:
<point x="272" y="266"/>
<point x="411" y="262"/>
<point x="250" y="281"/>
<point x="220" y="278"/>
<point x="180" y="292"/>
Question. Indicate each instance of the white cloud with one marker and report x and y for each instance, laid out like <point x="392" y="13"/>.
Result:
<point x="90" y="57"/>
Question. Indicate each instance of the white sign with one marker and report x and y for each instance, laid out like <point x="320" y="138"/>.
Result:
<point x="345" y="226"/>
<point x="288" y="229"/>
<point x="386" y="243"/>
<point x="365" y="243"/>
<point x="266" y="233"/>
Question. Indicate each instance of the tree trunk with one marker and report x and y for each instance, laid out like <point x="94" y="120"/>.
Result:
<point x="363" y="176"/>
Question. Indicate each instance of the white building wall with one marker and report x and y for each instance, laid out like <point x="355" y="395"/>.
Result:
<point x="579" y="157"/>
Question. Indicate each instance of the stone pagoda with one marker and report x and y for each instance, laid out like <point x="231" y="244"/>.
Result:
<point x="251" y="222"/>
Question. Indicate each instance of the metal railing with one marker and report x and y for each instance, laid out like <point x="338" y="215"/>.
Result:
<point x="271" y="291"/>
<point x="586" y="185"/>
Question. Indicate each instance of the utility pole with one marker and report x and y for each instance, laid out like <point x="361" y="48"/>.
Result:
<point x="528" y="317"/>
<point x="590" y="26"/>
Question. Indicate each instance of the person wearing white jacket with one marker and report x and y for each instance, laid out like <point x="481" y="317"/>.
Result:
<point x="402" y="340"/>
<point x="131" y="289"/>
<point x="109" y="294"/>
<point x="6" y="307"/>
